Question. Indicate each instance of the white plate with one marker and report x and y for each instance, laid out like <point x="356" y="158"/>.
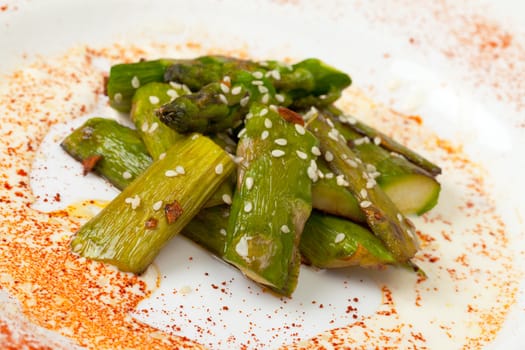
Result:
<point x="460" y="68"/>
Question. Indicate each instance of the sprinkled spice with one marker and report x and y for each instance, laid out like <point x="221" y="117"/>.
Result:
<point x="172" y="211"/>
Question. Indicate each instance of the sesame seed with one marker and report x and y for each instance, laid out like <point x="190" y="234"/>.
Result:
<point x="352" y="163"/>
<point x="257" y="82"/>
<point x="175" y="85"/>
<point x="278" y="153"/>
<point x="236" y="90"/>
<point x="285" y="229"/>
<point x="144" y="127"/>
<point x="320" y="173"/>
<point x="180" y="169"/>
<point x="281" y="142"/>
<point x="301" y="154"/>
<point x="370" y="168"/>
<point x="334" y="134"/>
<point x="242" y="247"/>
<point x="351" y="120"/>
<point x="365" y="204"/>
<point x="341" y="181"/>
<point x="171" y="173"/>
<point x="268" y="123"/>
<point x="399" y="217"/>
<point x="263" y="89"/>
<point x="328" y="156"/>
<point x="300" y="129"/>
<point x="276" y="74"/>
<point x="227" y="79"/>
<point x="186" y="88"/>
<point x="361" y="141"/>
<point x="377" y="140"/>
<point x="224" y="88"/>
<point x="249" y="183"/>
<point x="310" y="114"/>
<point x="315" y="150"/>
<point x="222" y="232"/>
<point x="249" y="115"/>
<point x="329" y="122"/>
<point x="329" y="175"/>
<point x="241" y="133"/>
<point x="244" y="101"/>
<point x="265" y="135"/>
<point x="226" y="198"/>
<point x="162" y="155"/>
<point x="264" y="112"/>
<point x="312" y="171"/>
<point x="195" y="137"/>
<point x="153" y="127"/>
<point x="157" y="205"/>
<point x="279" y="98"/>
<point x="154" y="100"/>
<point x="265" y="99"/>
<point x="248" y="206"/>
<point x="274" y="108"/>
<point x="117" y="97"/>
<point x="126" y="175"/>
<point x="219" y="169"/>
<point x="339" y="237"/>
<point x="257" y="75"/>
<point x="135" y="82"/>
<point x="363" y="193"/>
<point x="223" y="99"/>
<point x="323" y="97"/>
<point x="134" y="201"/>
<point x="370" y="184"/>
<point x="172" y="93"/>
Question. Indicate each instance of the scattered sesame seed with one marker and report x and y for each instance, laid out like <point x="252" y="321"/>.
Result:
<point x="223" y="99"/>
<point x="195" y="137"/>
<point x="154" y="100"/>
<point x="236" y="90"/>
<point x="172" y="93"/>
<point x="135" y="202"/>
<point x="153" y="127"/>
<point x="310" y="114"/>
<point x="264" y="112"/>
<point x="226" y="79"/>
<point x="242" y="246"/>
<point x="264" y="135"/>
<point x="361" y="141"/>
<point x="399" y="217"/>
<point x="263" y="89"/>
<point x="249" y="115"/>
<point x="268" y="123"/>
<point x="281" y="142"/>
<point x="274" y="108"/>
<point x="222" y="231"/>
<point x="219" y="169"/>
<point x="365" y="204"/>
<point x="265" y="99"/>
<point x="320" y="173"/>
<point x="341" y="181"/>
<point x="352" y="163"/>
<point x="300" y="129"/>
<point x="329" y="175"/>
<point x="312" y="171"/>
<point x="144" y="127"/>
<point x="334" y="134"/>
<point x="249" y="182"/>
<point x="315" y="150"/>
<point x="339" y="237"/>
<point x="278" y="153"/>
<point x="241" y="133"/>
<point x="370" y="184"/>
<point x="171" y="173"/>
<point x="224" y="88"/>
<point x="329" y="122"/>
<point x="323" y="97"/>
<point x="162" y="155"/>
<point x="301" y="154"/>
<point x="285" y="229"/>
<point x="257" y="82"/>
<point x="157" y="205"/>
<point x="328" y="156"/>
<point x="126" y="175"/>
<point x="175" y="85"/>
<point x="117" y="97"/>
<point x="276" y="74"/>
<point x="135" y="82"/>
<point x="226" y="198"/>
<point x="351" y="120"/>
<point x="257" y="75"/>
<point x="248" y="206"/>
<point x="377" y="140"/>
<point x="180" y="169"/>
<point x="370" y="168"/>
<point x="363" y="193"/>
<point x="279" y="98"/>
<point x="244" y="101"/>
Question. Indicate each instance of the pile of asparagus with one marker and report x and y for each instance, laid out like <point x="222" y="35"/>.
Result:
<point x="253" y="161"/>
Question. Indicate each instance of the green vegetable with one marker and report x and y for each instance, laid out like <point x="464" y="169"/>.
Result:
<point x="132" y="229"/>
<point x="272" y="201"/>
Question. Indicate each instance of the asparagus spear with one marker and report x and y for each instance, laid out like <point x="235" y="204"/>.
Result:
<point x="385" y="141"/>
<point x="382" y="216"/>
<point x="272" y="201"/>
<point x="124" y="79"/>
<point x="331" y="242"/>
<point x="157" y="137"/>
<point x="132" y="229"/>
<point x="119" y="153"/>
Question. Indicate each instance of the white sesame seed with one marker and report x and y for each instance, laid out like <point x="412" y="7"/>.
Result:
<point x="315" y="150"/>
<point x="117" y="97"/>
<point x="249" y="183"/>
<point x="339" y="237"/>
<point x="236" y="90"/>
<point x="186" y="88"/>
<point x="279" y="98"/>
<point x="222" y="232"/>
<point x="226" y="198"/>
<point x="135" y="82"/>
<point x="334" y="134"/>
<point x="341" y="181"/>
<point x="329" y="175"/>
<point x="176" y="85"/>
<point x="219" y="169"/>
<point x="227" y="79"/>
<point x="257" y="82"/>
<point x="263" y="89"/>
<point x="242" y="247"/>
<point x="135" y="202"/>
<point x="144" y="127"/>
<point x="301" y="154"/>
<point x="320" y="173"/>
<point x="278" y="153"/>
<point x="370" y="168"/>
<point x="281" y="142"/>
<point x="195" y="137"/>
<point x="351" y="120"/>
<point x="300" y="129"/>
<point x="264" y="112"/>
<point x="363" y="193"/>
<point x="257" y="75"/>
<point x="370" y="184"/>
<point x="154" y="100"/>
<point x="241" y="133"/>
<point x="274" y="108"/>
<point x="180" y="170"/>
<point x="248" y="206"/>
<point x="172" y="93"/>
<point x="377" y="140"/>
<point x="276" y="74"/>
<point x="312" y="171"/>
<point x="351" y="162"/>
<point x="323" y="97"/>
<point x="128" y="200"/>
<point x="224" y="88"/>
<point x="126" y="175"/>
<point x="223" y="99"/>
<point x="265" y="99"/>
<point x="249" y="115"/>
<point x="329" y="122"/>
<point x="365" y="204"/>
<point x="328" y="156"/>
<point x="361" y="141"/>
<point x="268" y="123"/>
<point x="157" y="205"/>
<point x="244" y="101"/>
<point x="153" y="127"/>
<point x="263" y="64"/>
<point x="399" y="217"/>
<point x="285" y="229"/>
<point x="171" y="173"/>
<point x="162" y="155"/>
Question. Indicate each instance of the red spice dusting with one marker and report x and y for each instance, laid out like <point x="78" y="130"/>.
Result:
<point x="173" y="211"/>
<point x="4" y="8"/>
<point x="151" y="223"/>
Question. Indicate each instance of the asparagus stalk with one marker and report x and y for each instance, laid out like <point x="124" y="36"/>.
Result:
<point x="382" y="216"/>
<point x="132" y="229"/>
<point x="272" y="201"/>
<point x="121" y="155"/>
<point x="124" y="79"/>
<point x="385" y="141"/>
<point x="332" y="242"/>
